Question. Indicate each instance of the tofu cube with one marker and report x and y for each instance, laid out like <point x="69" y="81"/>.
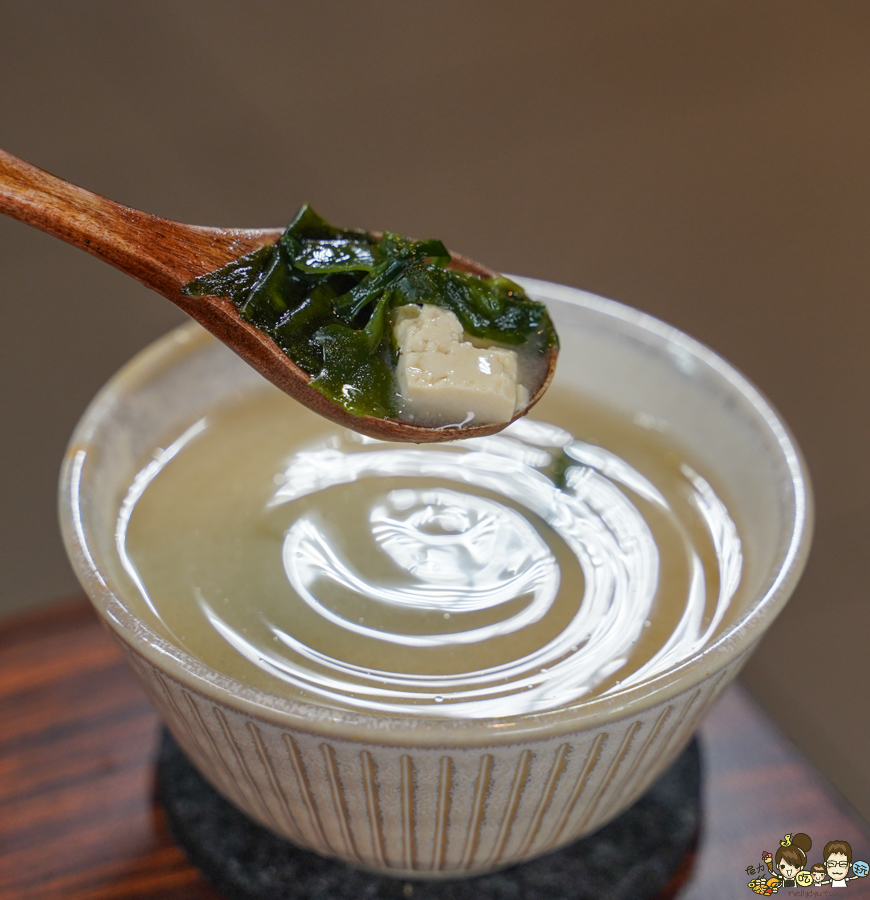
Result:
<point x="446" y="379"/>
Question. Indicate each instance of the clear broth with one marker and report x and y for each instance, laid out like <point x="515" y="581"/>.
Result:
<point x="574" y="554"/>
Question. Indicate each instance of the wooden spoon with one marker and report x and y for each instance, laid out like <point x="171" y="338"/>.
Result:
<point x="165" y="255"/>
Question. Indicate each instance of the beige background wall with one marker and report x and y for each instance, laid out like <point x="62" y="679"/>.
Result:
<point x="704" y="161"/>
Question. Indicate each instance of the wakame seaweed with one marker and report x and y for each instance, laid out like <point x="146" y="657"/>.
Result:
<point x="325" y="296"/>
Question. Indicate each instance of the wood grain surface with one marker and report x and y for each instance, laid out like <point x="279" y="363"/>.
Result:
<point x="78" y="818"/>
<point x="77" y="813"/>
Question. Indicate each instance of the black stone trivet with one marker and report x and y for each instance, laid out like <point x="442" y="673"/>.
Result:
<point x="632" y="857"/>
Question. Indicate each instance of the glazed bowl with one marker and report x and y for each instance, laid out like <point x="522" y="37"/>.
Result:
<point x="422" y="796"/>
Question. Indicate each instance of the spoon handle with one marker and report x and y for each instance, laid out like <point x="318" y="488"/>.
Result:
<point x="162" y="254"/>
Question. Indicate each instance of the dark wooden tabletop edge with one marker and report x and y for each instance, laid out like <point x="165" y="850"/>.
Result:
<point x="840" y="801"/>
<point x="73" y="607"/>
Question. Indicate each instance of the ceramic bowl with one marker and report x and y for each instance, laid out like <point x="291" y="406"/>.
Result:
<point x="424" y="797"/>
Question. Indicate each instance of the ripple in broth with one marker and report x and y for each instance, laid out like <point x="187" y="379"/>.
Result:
<point x="571" y="555"/>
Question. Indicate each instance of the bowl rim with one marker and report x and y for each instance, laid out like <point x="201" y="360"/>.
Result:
<point x="430" y="731"/>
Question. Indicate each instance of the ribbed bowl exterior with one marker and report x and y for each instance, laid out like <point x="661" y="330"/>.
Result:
<point x="428" y="812"/>
<point x="388" y="793"/>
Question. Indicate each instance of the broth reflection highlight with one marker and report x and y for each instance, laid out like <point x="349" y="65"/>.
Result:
<point x="572" y="555"/>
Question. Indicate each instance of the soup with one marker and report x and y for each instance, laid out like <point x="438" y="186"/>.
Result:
<point x="573" y="555"/>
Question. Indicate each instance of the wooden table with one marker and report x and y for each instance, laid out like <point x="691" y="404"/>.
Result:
<point x="78" y="819"/>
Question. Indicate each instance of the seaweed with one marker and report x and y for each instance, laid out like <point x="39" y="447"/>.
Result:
<point x="325" y="296"/>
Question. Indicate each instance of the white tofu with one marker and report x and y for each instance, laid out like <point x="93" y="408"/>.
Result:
<point x="446" y="379"/>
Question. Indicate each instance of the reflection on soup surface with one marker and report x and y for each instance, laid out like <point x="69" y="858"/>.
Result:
<point x="574" y="554"/>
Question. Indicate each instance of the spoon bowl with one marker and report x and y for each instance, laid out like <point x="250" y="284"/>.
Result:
<point x="165" y="255"/>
